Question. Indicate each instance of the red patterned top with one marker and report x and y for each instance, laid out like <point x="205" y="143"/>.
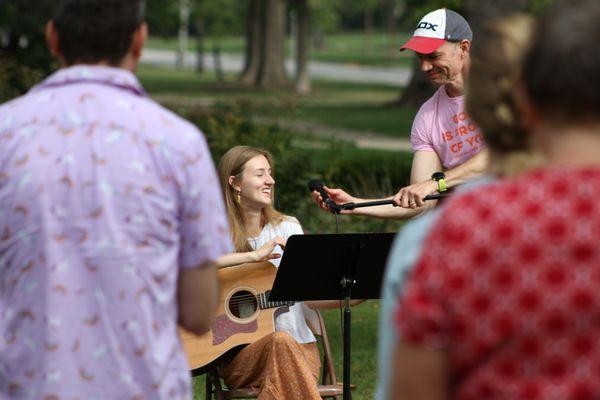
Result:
<point x="510" y="285"/>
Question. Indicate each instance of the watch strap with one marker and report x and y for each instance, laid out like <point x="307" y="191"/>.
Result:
<point x="442" y="185"/>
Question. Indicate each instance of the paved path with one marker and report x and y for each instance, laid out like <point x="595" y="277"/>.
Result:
<point x="393" y="76"/>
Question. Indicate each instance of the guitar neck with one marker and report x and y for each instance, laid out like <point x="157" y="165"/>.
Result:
<point x="264" y="303"/>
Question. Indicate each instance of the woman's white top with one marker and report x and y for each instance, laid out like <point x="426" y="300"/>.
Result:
<point x="292" y="322"/>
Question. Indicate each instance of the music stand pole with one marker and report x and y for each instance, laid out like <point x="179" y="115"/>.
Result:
<point x="347" y="283"/>
<point x="347" y="340"/>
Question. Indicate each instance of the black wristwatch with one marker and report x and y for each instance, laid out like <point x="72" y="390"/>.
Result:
<point x="440" y="178"/>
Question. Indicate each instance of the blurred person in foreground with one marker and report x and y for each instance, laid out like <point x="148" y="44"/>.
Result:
<point x="493" y="102"/>
<point x="503" y="301"/>
<point x="448" y="146"/>
<point x="111" y="218"/>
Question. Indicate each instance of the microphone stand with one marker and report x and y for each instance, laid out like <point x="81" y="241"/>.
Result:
<point x="352" y="206"/>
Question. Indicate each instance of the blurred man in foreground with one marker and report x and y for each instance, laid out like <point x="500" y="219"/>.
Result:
<point x="110" y="218"/>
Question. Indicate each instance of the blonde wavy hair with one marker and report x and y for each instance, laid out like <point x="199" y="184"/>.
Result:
<point x="233" y="163"/>
<point x="495" y="92"/>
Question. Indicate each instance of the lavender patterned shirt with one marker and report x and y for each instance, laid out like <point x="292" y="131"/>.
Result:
<point x="104" y="195"/>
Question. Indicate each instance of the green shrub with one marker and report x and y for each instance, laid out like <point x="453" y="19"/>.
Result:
<point x="25" y="60"/>
<point x="369" y="173"/>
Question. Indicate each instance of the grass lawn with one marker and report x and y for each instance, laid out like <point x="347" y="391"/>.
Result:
<point x="346" y="105"/>
<point x="364" y="343"/>
<point x="377" y="49"/>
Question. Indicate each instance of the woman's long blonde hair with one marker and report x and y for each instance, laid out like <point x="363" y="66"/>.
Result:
<point x="233" y="163"/>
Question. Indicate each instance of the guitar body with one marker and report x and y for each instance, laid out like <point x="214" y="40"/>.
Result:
<point x="240" y="319"/>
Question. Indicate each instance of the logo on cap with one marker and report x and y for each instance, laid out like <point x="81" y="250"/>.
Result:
<point x="427" y="25"/>
<point x="437" y="27"/>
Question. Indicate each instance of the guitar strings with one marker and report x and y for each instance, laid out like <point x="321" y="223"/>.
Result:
<point x="245" y="296"/>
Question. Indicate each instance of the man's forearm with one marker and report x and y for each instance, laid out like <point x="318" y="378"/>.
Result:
<point x="476" y="165"/>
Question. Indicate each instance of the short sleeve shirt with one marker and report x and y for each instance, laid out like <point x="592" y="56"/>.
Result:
<point x="104" y="195"/>
<point x="293" y="321"/>
<point x="443" y="126"/>
<point x="508" y="285"/>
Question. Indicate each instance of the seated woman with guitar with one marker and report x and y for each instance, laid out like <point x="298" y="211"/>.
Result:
<point x="284" y="364"/>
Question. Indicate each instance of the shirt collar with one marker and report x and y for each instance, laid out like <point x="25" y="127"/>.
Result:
<point x="456" y="99"/>
<point x="111" y="76"/>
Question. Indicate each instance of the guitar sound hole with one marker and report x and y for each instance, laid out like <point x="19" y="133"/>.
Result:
<point x="243" y="304"/>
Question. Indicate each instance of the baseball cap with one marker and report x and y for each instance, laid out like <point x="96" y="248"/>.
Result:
<point x="435" y="28"/>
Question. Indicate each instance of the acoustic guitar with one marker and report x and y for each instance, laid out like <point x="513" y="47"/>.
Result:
<point x="244" y="315"/>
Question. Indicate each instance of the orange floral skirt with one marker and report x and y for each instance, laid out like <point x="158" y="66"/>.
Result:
<point x="280" y="367"/>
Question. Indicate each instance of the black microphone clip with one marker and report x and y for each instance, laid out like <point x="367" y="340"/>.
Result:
<point x="317" y="185"/>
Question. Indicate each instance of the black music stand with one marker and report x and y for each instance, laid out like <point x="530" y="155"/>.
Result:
<point x="333" y="267"/>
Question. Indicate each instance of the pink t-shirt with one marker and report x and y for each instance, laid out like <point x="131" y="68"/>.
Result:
<point x="443" y="126"/>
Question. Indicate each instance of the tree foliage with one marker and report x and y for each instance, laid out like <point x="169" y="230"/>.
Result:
<point x="24" y="57"/>
<point x="324" y="15"/>
<point x="162" y="17"/>
<point x="220" y="18"/>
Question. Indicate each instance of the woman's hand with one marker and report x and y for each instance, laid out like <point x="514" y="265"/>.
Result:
<point x="265" y="252"/>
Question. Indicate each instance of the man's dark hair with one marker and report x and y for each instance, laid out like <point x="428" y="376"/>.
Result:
<point x="90" y="31"/>
<point x="562" y="70"/>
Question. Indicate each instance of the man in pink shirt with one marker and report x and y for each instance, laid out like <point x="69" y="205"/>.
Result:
<point x="110" y="220"/>
<point x="448" y="147"/>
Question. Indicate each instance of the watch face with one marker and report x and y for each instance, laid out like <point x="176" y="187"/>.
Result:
<point x="437" y="176"/>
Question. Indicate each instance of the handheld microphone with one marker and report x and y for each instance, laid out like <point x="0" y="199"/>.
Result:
<point x="317" y="185"/>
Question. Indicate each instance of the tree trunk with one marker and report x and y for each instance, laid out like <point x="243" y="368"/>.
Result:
<point x="199" y="45"/>
<point x="216" y="50"/>
<point x="253" y="38"/>
<point x="272" y="69"/>
<point x="368" y="19"/>
<point x="265" y="37"/>
<point x="302" y="44"/>
<point x="184" y="20"/>
<point x="392" y="11"/>
<point x="477" y="13"/>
